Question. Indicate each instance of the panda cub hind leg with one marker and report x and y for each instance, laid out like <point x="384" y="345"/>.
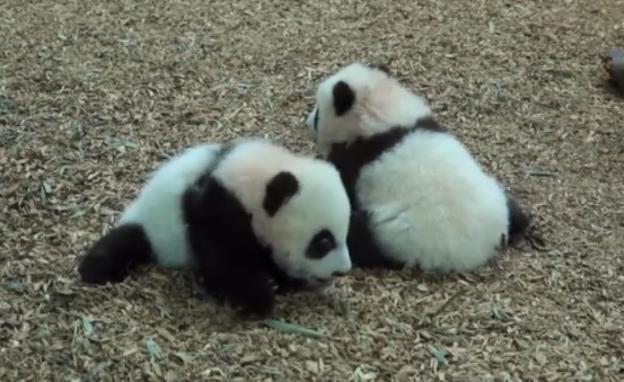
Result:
<point x="519" y="221"/>
<point x="118" y="252"/>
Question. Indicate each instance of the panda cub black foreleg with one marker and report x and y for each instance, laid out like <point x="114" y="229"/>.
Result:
<point x="227" y="272"/>
<point x="250" y="292"/>
<point x="365" y="251"/>
<point x="118" y="252"/>
<point x="230" y="265"/>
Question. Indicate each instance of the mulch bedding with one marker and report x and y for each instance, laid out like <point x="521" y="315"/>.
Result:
<point x="94" y="95"/>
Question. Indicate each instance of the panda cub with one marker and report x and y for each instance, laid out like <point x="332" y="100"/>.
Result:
<point x="418" y="196"/>
<point x="246" y="217"/>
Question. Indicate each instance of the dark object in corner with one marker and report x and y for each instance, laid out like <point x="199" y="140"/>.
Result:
<point x="613" y="62"/>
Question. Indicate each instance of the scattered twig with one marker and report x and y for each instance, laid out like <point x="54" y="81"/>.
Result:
<point x="542" y="173"/>
<point x="448" y="302"/>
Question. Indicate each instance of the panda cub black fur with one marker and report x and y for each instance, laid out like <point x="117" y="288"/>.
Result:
<point x="418" y="196"/>
<point x="245" y="217"/>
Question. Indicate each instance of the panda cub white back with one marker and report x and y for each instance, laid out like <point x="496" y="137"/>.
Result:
<point x="158" y="206"/>
<point x="419" y="197"/>
<point x="246" y="217"/>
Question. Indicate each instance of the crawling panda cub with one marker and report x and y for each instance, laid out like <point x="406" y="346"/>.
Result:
<point x="418" y="196"/>
<point x="246" y="217"/>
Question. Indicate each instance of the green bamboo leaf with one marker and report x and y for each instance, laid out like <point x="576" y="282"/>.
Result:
<point x="152" y="348"/>
<point x="47" y="188"/>
<point x="4" y="105"/>
<point x="439" y="354"/>
<point x="15" y="286"/>
<point x="87" y="327"/>
<point x="293" y="328"/>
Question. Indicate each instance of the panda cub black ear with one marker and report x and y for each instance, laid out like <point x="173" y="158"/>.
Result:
<point x="344" y="97"/>
<point x="278" y="191"/>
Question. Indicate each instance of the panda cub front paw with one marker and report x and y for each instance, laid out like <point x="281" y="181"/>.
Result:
<point x="259" y="299"/>
<point x="251" y="296"/>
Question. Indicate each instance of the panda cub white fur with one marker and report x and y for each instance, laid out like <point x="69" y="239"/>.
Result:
<point x="418" y="196"/>
<point x="245" y="217"/>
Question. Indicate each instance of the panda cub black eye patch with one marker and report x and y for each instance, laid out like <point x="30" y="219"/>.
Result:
<point x="320" y="245"/>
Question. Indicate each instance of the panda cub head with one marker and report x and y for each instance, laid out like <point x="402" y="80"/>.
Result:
<point x="361" y="101"/>
<point x="305" y="222"/>
<point x="298" y="208"/>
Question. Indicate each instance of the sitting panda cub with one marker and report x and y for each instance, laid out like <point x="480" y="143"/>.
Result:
<point x="418" y="196"/>
<point x="245" y="217"/>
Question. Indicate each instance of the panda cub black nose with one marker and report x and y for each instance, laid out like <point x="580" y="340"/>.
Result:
<point x="339" y="274"/>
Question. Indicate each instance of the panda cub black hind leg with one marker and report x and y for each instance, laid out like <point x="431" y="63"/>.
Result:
<point x="118" y="252"/>
<point x="522" y="226"/>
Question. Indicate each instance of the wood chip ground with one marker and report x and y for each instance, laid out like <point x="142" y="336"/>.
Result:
<point x="94" y="94"/>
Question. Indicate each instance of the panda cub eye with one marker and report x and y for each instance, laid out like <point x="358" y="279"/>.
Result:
<point x="322" y="243"/>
